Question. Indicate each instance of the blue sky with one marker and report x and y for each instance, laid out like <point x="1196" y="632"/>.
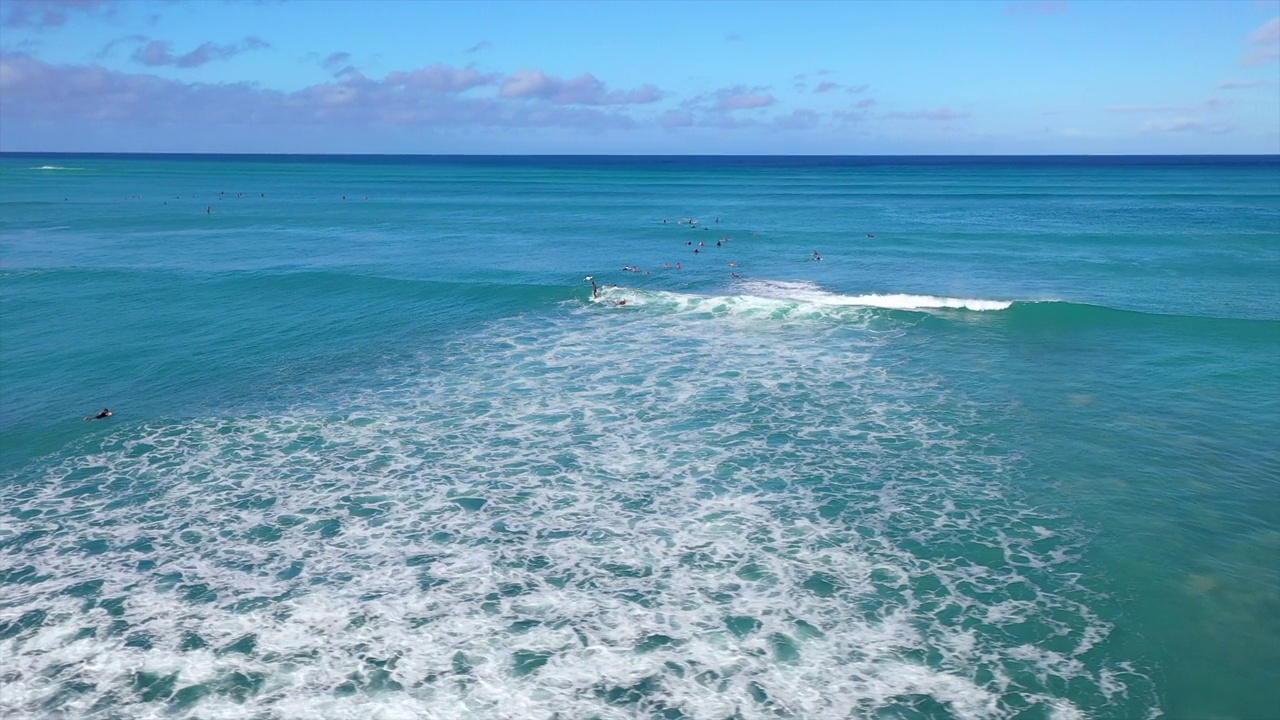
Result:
<point x="327" y="76"/>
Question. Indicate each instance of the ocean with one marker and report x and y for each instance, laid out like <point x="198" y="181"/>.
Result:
<point x="873" y="437"/>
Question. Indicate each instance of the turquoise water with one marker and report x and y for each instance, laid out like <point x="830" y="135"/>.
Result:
<point x="1008" y="450"/>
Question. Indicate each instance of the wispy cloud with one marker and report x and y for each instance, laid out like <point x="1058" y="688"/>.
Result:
<point x="1183" y="125"/>
<point x="482" y="45"/>
<point x="337" y="63"/>
<point x="732" y="37"/>
<point x="826" y="86"/>
<point x="724" y="121"/>
<point x="1209" y="104"/>
<point x="1264" y="44"/>
<point x="740" y="97"/>
<point x="800" y="119"/>
<point x="585" y="89"/>
<point x="939" y="115"/>
<point x="110" y="47"/>
<point x="676" y="118"/>
<point x="855" y="89"/>
<point x="849" y="116"/>
<point x="1145" y="108"/>
<point x="159" y="53"/>
<point x="440" y="78"/>
<point x="1238" y="84"/>
<point x="42" y="14"/>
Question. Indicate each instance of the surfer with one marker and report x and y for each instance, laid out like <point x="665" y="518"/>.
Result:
<point x="595" y="289"/>
<point x="106" y="413"/>
<point x="817" y="255"/>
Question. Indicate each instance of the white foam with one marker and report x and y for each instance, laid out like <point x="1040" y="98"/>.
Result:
<point x="812" y="293"/>
<point x="776" y="300"/>
<point x="765" y="522"/>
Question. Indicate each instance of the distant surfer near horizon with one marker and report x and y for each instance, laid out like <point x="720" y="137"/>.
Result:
<point x="106" y="413"/>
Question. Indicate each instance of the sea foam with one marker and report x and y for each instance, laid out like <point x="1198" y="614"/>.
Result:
<point x="763" y="523"/>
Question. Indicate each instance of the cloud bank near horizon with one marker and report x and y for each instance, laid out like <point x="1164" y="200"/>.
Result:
<point x="517" y="89"/>
<point x="437" y="95"/>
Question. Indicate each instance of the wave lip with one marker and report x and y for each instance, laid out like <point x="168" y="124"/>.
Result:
<point x="809" y="292"/>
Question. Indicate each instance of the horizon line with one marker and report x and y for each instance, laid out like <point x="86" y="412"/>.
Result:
<point x="631" y="155"/>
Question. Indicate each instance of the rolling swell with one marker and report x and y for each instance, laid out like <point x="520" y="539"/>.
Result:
<point x="1064" y="315"/>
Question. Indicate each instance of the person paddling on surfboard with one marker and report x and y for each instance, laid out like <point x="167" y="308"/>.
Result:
<point x="106" y="413"/>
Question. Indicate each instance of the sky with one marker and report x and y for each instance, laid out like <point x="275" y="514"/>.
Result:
<point x="843" y="77"/>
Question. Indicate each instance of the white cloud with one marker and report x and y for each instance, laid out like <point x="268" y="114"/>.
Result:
<point x="1265" y="44"/>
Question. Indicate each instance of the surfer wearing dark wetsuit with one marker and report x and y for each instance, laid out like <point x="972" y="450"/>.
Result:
<point x="106" y="413"/>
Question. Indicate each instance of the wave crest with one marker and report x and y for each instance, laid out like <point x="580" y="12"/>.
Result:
<point x="773" y="297"/>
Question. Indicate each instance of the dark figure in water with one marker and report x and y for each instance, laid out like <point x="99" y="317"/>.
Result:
<point x="106" y="413"/>
<point x="595" y="289"/>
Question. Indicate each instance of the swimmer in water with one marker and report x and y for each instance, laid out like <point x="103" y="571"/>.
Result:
<point x="106" y="413"/>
